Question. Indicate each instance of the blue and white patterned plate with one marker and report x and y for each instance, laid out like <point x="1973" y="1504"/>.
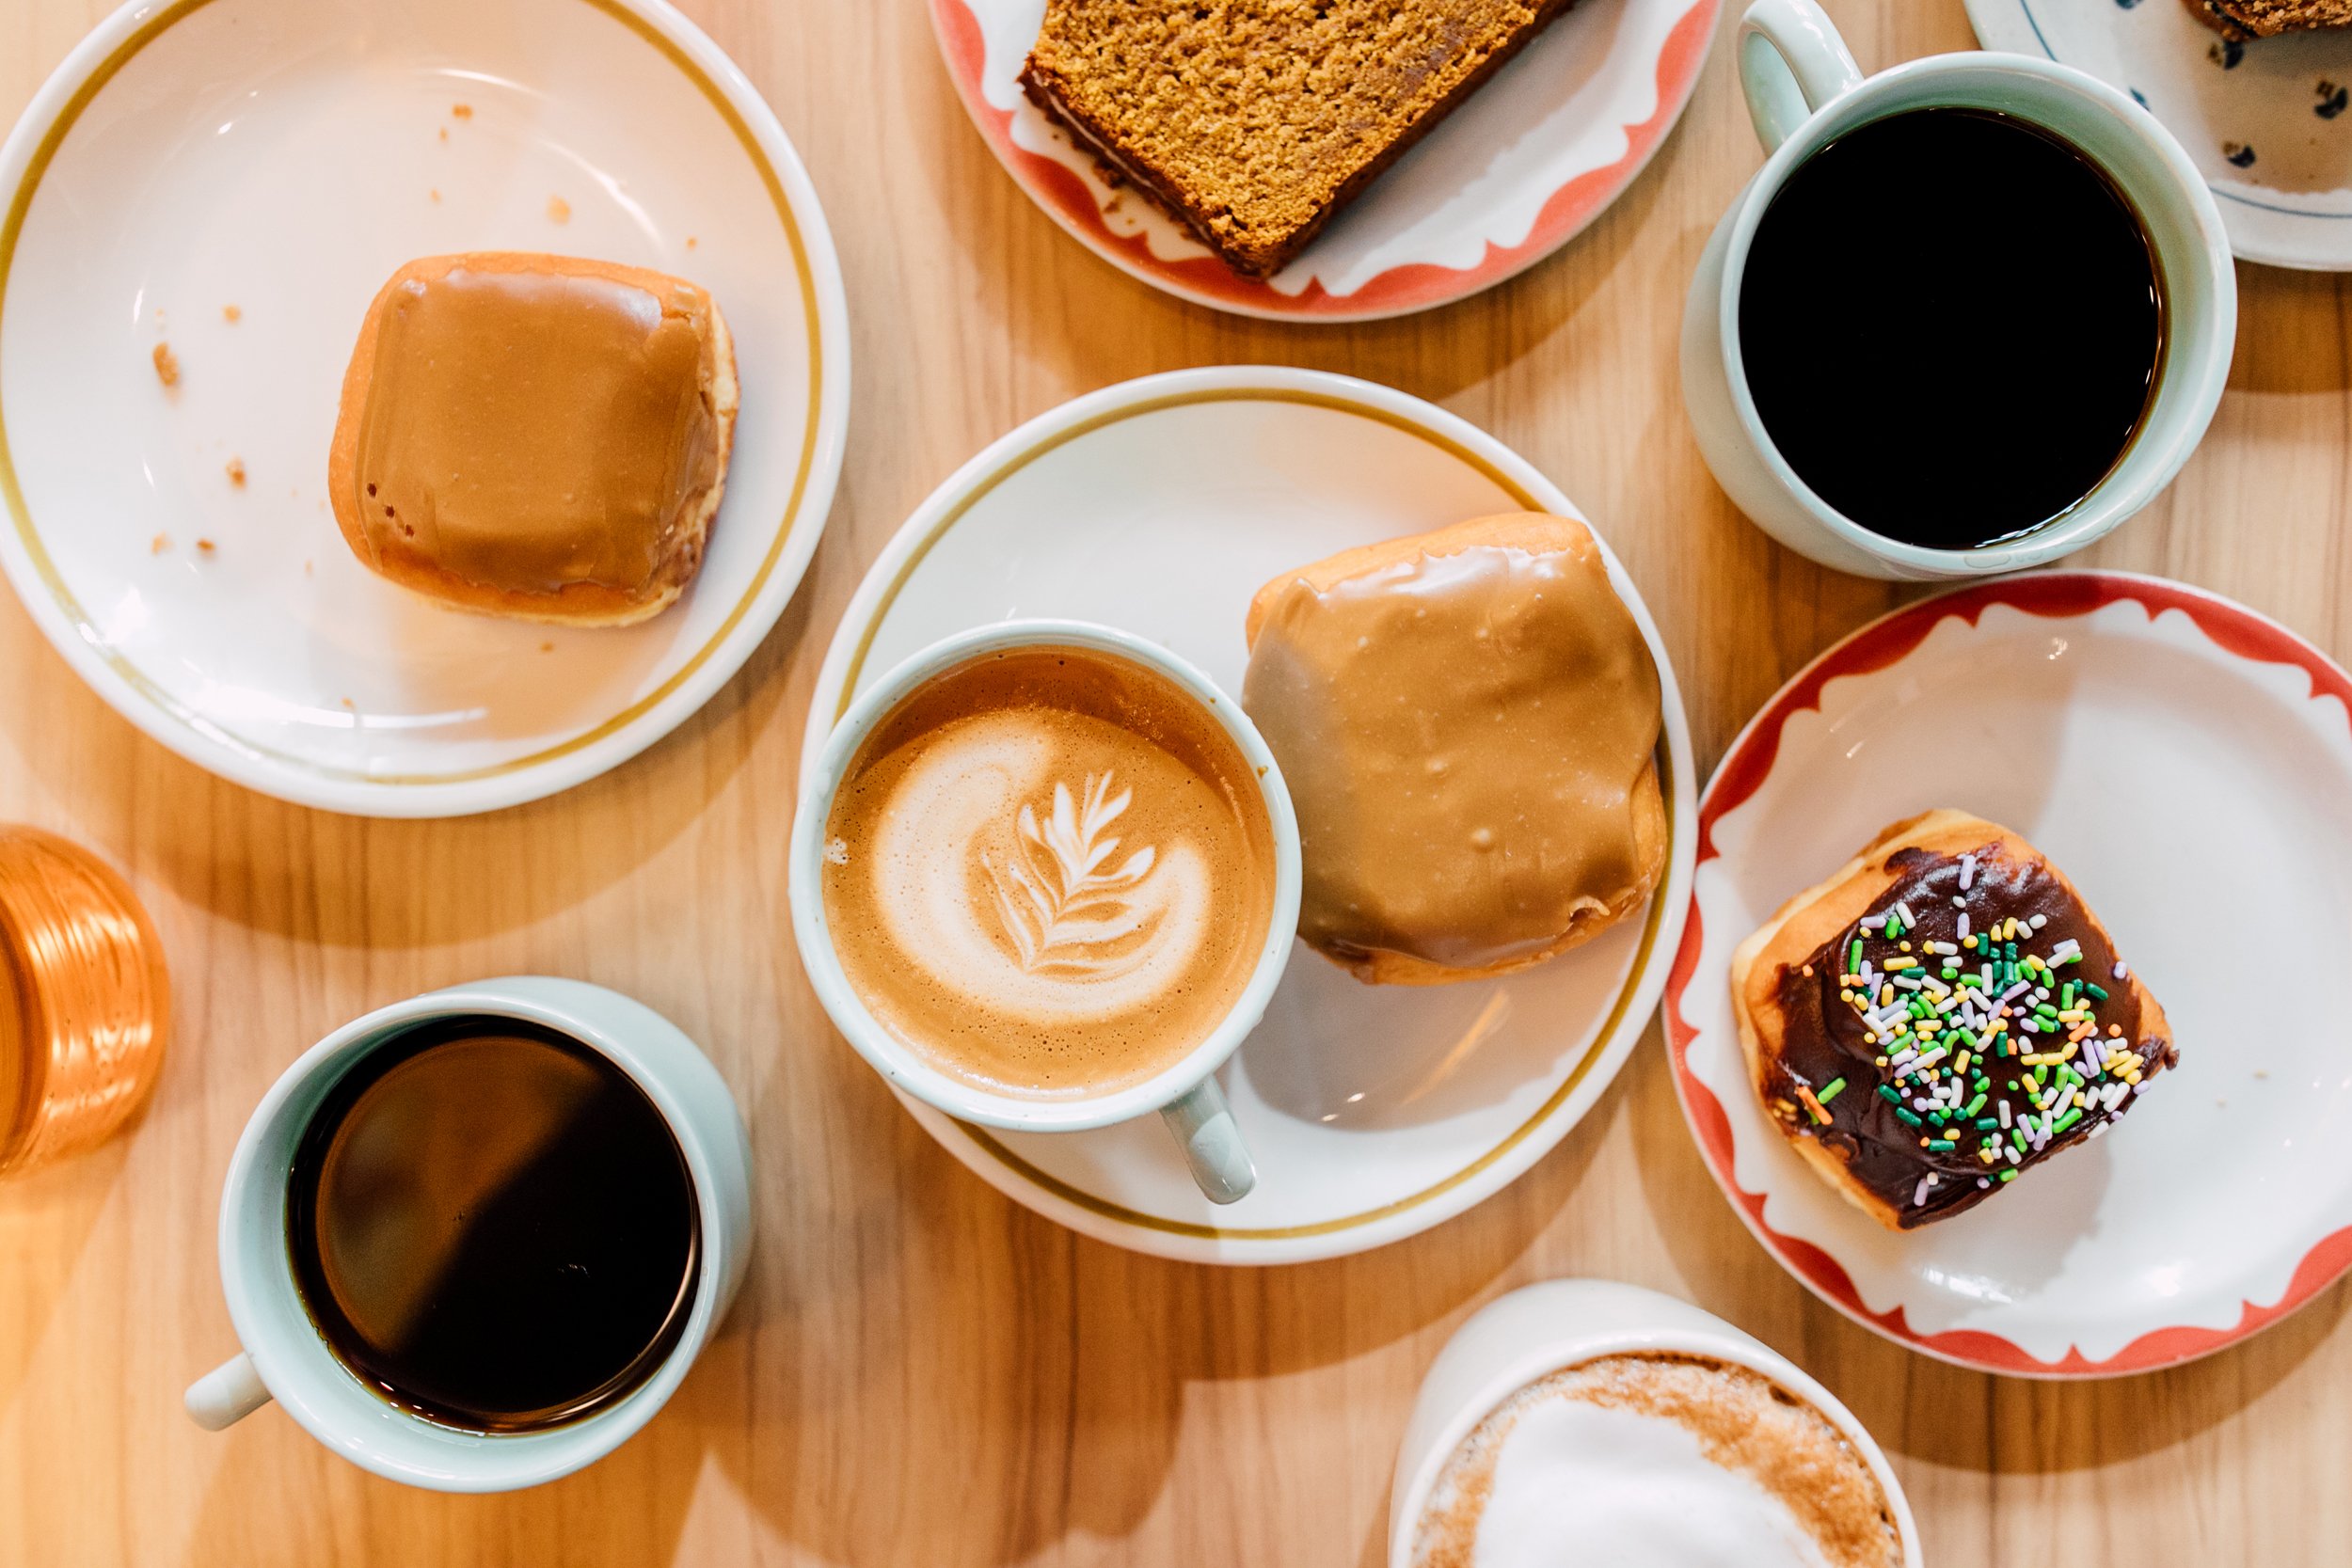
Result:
<point x="2266" y="122"/>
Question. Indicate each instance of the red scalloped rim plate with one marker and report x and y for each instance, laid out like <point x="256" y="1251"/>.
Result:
<point x="1510" y="176"/>
<point x="2188" y="762"/>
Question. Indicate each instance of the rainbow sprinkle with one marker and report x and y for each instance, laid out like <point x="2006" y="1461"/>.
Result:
<point x="1938" y="1014"/>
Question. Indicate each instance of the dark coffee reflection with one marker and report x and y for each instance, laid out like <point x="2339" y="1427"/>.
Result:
<point x="1953" y="325"/>
<point x="492" y="1226"/>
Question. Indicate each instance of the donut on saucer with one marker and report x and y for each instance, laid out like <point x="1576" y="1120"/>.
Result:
<point x="1467" y="720"/>
<point x="1939" y="1016"/>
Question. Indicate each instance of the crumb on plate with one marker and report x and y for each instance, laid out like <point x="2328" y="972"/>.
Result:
<point x="559" y="209"/>
<point x="236" y="472"/>
<point x="230" y="314"/>
<point x="166" y="365"/>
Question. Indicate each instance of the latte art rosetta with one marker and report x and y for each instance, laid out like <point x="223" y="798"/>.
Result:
<point x="1040" y="917"/>
<point x="1049" y="872"/>
<point x="1061" y="905"/>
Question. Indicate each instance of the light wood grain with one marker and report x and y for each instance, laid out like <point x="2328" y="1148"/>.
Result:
<point x="921" y="1372"/>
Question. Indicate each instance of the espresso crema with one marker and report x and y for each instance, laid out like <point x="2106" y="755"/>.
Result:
<point x="1671" y="1461"/>
<point x="1049" y="872"/>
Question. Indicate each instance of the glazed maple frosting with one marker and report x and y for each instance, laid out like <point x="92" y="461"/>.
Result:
<point x="524" y="432"/>
<point x="1468" y="723"/>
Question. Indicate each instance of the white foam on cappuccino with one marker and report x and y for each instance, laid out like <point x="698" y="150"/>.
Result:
<point x="1050" y="873"/>
<point x="1660" y="1462"/>
<point x="1577" y="1483"/>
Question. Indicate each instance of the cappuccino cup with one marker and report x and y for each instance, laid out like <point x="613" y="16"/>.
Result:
<point x="1804" y="94"/>
<point x="1641" y="1429"/>
<point x="1045" y="877"/>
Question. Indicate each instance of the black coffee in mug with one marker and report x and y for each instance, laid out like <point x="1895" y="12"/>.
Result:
<point x="1953" y="324"/>
<point x="493" y="1226"/>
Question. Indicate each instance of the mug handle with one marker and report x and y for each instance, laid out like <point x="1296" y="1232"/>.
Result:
<point x="225" y="1395"/>
<point x="1203" y="1127"/>
<point x="1791" y="63"/>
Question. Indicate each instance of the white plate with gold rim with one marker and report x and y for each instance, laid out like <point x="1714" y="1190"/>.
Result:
<point x="1159" y="506"/>
<point x="282" y="157"/>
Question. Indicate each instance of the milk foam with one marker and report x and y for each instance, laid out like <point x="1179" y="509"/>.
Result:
<point x="1000" y="872"/>
<point x="1577" y="1483"/>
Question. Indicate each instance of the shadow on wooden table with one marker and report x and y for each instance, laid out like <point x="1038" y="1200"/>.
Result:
<point x="46" y="1220"/>
<point x="926" y="1373"/>
<point x="275" y="1497"/>
<point x="389" y="884"/>
<point x="2276" y="354"/>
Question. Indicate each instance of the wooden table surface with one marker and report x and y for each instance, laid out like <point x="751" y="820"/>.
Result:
<point x="919" y="1372"/>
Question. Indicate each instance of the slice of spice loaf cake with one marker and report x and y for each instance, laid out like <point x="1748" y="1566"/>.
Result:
<point x="2261" y="19"/>
<point x="1253" y="121"/>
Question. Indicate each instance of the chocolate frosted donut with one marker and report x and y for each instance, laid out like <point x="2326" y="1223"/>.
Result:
<point x="1941" y="1016"/>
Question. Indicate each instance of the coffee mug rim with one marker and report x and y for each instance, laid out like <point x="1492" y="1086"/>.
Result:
<point x="1574" y="1349"/>
<point x="477" y="1461"/>
<point x="898" y="1064"/>
<point x="2139" y="473"/>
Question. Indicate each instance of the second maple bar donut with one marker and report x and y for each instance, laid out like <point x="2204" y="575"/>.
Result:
<point x="1467" y="720"/>
<point x="544" y="437"/>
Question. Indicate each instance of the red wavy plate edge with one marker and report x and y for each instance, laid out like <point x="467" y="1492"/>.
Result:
<point x="1415" y="286"/>
<point x="1880" y="646"/>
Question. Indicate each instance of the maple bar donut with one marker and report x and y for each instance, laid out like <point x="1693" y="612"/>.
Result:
<point x="535" y="437"/>
<point x="1467" y="720"/>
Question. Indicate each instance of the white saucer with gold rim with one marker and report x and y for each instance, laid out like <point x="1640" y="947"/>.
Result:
<point x="233" y="179"/>
<point x="1158" y="506"/>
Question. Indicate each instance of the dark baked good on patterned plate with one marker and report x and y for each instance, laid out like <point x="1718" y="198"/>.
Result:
<point x="2241" y="20"/>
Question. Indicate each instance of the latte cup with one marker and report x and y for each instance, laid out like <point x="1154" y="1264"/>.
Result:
<point x="1540" y="1329"/>
<point x="1185" y="1094"/>
<point x="1804" y="91"/>
<point x="284" y="1356"/>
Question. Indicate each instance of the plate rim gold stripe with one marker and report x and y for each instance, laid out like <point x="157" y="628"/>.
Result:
<point x="11" y="492"/>
<point x="1644" y="957"/>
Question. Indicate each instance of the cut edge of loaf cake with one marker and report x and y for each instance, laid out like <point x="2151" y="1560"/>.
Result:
<point x="1052" y="93"/>
<point x="2212" y="15"/>
<point x="2241" y="21"/>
